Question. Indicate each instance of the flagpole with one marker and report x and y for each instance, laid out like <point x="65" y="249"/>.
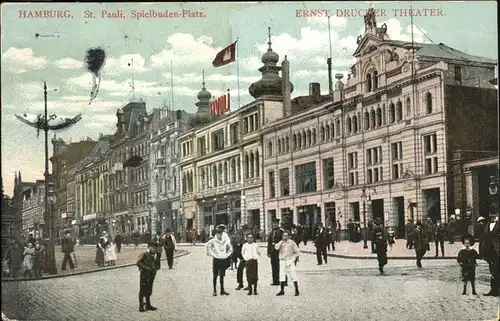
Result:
<point x="238" y="72"/>
<point x="172" y="85"/>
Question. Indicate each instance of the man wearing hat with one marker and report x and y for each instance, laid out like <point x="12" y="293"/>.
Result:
<point x="240" y="240"/>
<point x="68" y="246"/>
<point x="467" y="259"/>
<point x="147" y="265"/>
<point x="225" y="236"/>
<point x="489" y="250"/>
<point x="409" y="234"/>
<point x="220" y="250"/>
<point x="274" y="238"/>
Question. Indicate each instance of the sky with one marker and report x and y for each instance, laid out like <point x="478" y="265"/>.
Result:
<point x="189" y="44"/>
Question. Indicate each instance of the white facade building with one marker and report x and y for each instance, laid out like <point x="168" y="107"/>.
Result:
<point x="385" y="133"/>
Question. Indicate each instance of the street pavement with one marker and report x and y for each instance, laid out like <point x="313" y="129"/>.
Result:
<point x="343" y="289"/>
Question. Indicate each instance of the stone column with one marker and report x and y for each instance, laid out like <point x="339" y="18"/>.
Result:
<point x="295" y="215"/>
<point x="472" y="193"/>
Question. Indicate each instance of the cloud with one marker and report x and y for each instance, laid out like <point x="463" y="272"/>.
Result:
<point x="68" y="63"/>
<point x="18" y="61"/>
<point x="125" y="64"/>
<point x="30" y="91"/>
<point x="185" y="50"/>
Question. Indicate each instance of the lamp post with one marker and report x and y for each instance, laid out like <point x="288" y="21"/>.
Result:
<point x="42" y="122"/>
<point x="365" y="197"/>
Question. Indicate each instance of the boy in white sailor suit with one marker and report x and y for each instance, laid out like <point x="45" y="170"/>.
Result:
<point x="288" y="258"/>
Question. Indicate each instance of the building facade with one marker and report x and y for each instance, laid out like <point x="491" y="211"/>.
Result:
<point x="167" y="126"/>
<point x="221" y="159"/>
<point x="33" y="208"/>
<point x="128" y="191"/>
<point x="92" y="213"/>
<point x="64" y="155"/>
<point x="384" y="144"/>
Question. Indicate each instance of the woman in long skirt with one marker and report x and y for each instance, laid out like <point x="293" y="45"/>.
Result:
<point x="29" y="258"/>
<point x="110" y="255"/>
<point x="99" y="255"/>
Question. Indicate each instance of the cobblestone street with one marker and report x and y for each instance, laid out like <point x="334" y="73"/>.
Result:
<point x="341" y="290"/>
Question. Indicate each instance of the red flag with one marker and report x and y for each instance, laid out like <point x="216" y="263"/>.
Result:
<point x="225" y="56"/>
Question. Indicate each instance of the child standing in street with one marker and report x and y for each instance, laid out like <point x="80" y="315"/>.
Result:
<point x="220" y="249"/>
<point x="250" y="252"/>
<point x="467" y="259"/>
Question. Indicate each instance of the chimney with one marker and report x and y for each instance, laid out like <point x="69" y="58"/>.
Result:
<point x="287" y="100"/>
<point x="315" y="91"/>
<point x="330" y="81"/>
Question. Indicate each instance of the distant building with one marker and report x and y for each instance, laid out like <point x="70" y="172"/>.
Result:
<point x="33" y="208"/>
<point x="64" y="155"/>
<point x="88" y="190"/>
<point x="167" y="126"/>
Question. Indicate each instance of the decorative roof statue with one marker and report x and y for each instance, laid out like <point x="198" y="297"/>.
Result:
<point x="370" y="21"/>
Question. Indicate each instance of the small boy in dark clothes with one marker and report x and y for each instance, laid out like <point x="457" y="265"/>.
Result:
<point x="381" y="250"/>
<point x="466" y="258"/>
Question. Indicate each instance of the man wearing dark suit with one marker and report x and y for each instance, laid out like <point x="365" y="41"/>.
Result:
<point x="489" y="250"/>
<point x="118" y="242"/>
<point x="158" y="240"/>
<point x="439" y="236"/>
<point x="68" y="246"/>
<point x="275" y="236"/>
<point x="321" y="242"/>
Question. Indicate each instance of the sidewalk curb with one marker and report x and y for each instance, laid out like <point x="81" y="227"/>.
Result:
<point x="107" y="268"/>
<point x="374" y="257"/>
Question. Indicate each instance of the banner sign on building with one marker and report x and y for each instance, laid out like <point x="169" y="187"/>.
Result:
<point x="220" y="106"/>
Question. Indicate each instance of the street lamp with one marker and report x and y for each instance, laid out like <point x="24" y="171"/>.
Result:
<point x="48" y="122"/>
<point x="365" y="197"/>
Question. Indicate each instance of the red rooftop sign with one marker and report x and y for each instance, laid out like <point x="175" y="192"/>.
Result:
<point x="220" y="106"/>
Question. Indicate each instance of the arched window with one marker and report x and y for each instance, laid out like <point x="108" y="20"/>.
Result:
<point x="269" y="149"/>
<point x="279" y="146"/>
<point x="184" y="186"/>
<point x="408" y="107"/>
<point x="332" y="130"/>
<point x="233" y="170"/>
<point x="226" y="173"/>
<point x="428" y="102"/>
<point x="308" y="137"/>
<point x="354" y="124"/>
<point x="304" y="139"/>
<point x="299" y="140"/>
<point x="399" y="111"/>
<point x="322" y="134"/>
<point x="252" y="165"/>
<point x="368" y="82"/>
<point x="392" y="113"/>
<point x="214" y="176"/>
<point x="247" y="166"/>
<point x="313" y="134"/>
<point x="287" y="144"/>
<point x="283" y="146"/>
<point x="349" y="127"/>
<point x="338" y="128"/>
<point x="379" y="117"/>
<point x="294" y="142"/>
<point x="375" y="80"/>
<point x="366" y="120"/>
<point x="372" y="119"/>
<point x="257" y="164"/>
<point x="327" y="132"/>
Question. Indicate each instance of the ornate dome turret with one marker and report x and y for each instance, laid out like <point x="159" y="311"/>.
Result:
<point x="204" y="96"/>
<point x="270" y="83"/>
